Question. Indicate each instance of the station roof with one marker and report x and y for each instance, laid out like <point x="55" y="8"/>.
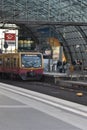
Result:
<point x="65" y="20"/>
<point x="44" y="10"/>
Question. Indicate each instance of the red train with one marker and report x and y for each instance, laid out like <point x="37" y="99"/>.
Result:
<point x="26" y="65"/>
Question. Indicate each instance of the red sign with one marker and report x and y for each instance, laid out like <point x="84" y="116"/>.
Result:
<point x="10" y="37"/>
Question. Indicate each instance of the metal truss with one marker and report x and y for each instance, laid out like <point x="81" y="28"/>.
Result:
<point x="66" y="17"/>
<point x="43" y="10"/>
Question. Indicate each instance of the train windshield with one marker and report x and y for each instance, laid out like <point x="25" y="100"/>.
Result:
<point x="29" y="61"/>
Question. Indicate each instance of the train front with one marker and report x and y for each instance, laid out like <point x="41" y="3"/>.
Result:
<point x="31" y="66"/>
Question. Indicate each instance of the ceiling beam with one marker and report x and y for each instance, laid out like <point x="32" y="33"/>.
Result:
<point x="31" y="23"/>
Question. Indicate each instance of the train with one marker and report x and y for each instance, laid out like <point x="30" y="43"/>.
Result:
<point x="23" y="65"/>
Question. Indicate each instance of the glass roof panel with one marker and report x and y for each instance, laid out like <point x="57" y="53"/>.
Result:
<point x="28" y="12"/>
<point x="44" y="10"/>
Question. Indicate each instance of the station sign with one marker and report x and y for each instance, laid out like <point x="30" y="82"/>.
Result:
<point x="9" y="40"/>
<point x="10" y="37"/>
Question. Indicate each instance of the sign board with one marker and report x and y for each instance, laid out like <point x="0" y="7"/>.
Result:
<point x="8" y="40"/>
<point x="10" y="37"/>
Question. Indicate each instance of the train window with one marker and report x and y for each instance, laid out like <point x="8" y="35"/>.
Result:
<point x="1" y="62"/>
<point x="14" y="62"/>
<point x="11" y="62"/>
<point x="29" y="61"/>
<point x="5" y="62"/>
<point x="17" y="62"/>
<point x="8" y="62"/>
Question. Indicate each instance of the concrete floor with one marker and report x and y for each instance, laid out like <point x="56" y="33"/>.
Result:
<point x="20" y="110"/>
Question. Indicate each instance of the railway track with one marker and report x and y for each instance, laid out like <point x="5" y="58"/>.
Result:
<point x="66" y="93"/>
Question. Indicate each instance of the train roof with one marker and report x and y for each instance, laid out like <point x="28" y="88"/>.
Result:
<point x="20" y="53"/>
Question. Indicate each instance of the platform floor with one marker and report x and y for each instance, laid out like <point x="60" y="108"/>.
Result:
<point x="22" y="109"/>
<point x="71" y="77"/>
<point x="76" y="75"/>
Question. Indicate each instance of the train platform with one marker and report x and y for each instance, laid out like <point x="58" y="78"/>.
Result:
<point x="64" y="79"/>
<point x="22" y="109"/>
